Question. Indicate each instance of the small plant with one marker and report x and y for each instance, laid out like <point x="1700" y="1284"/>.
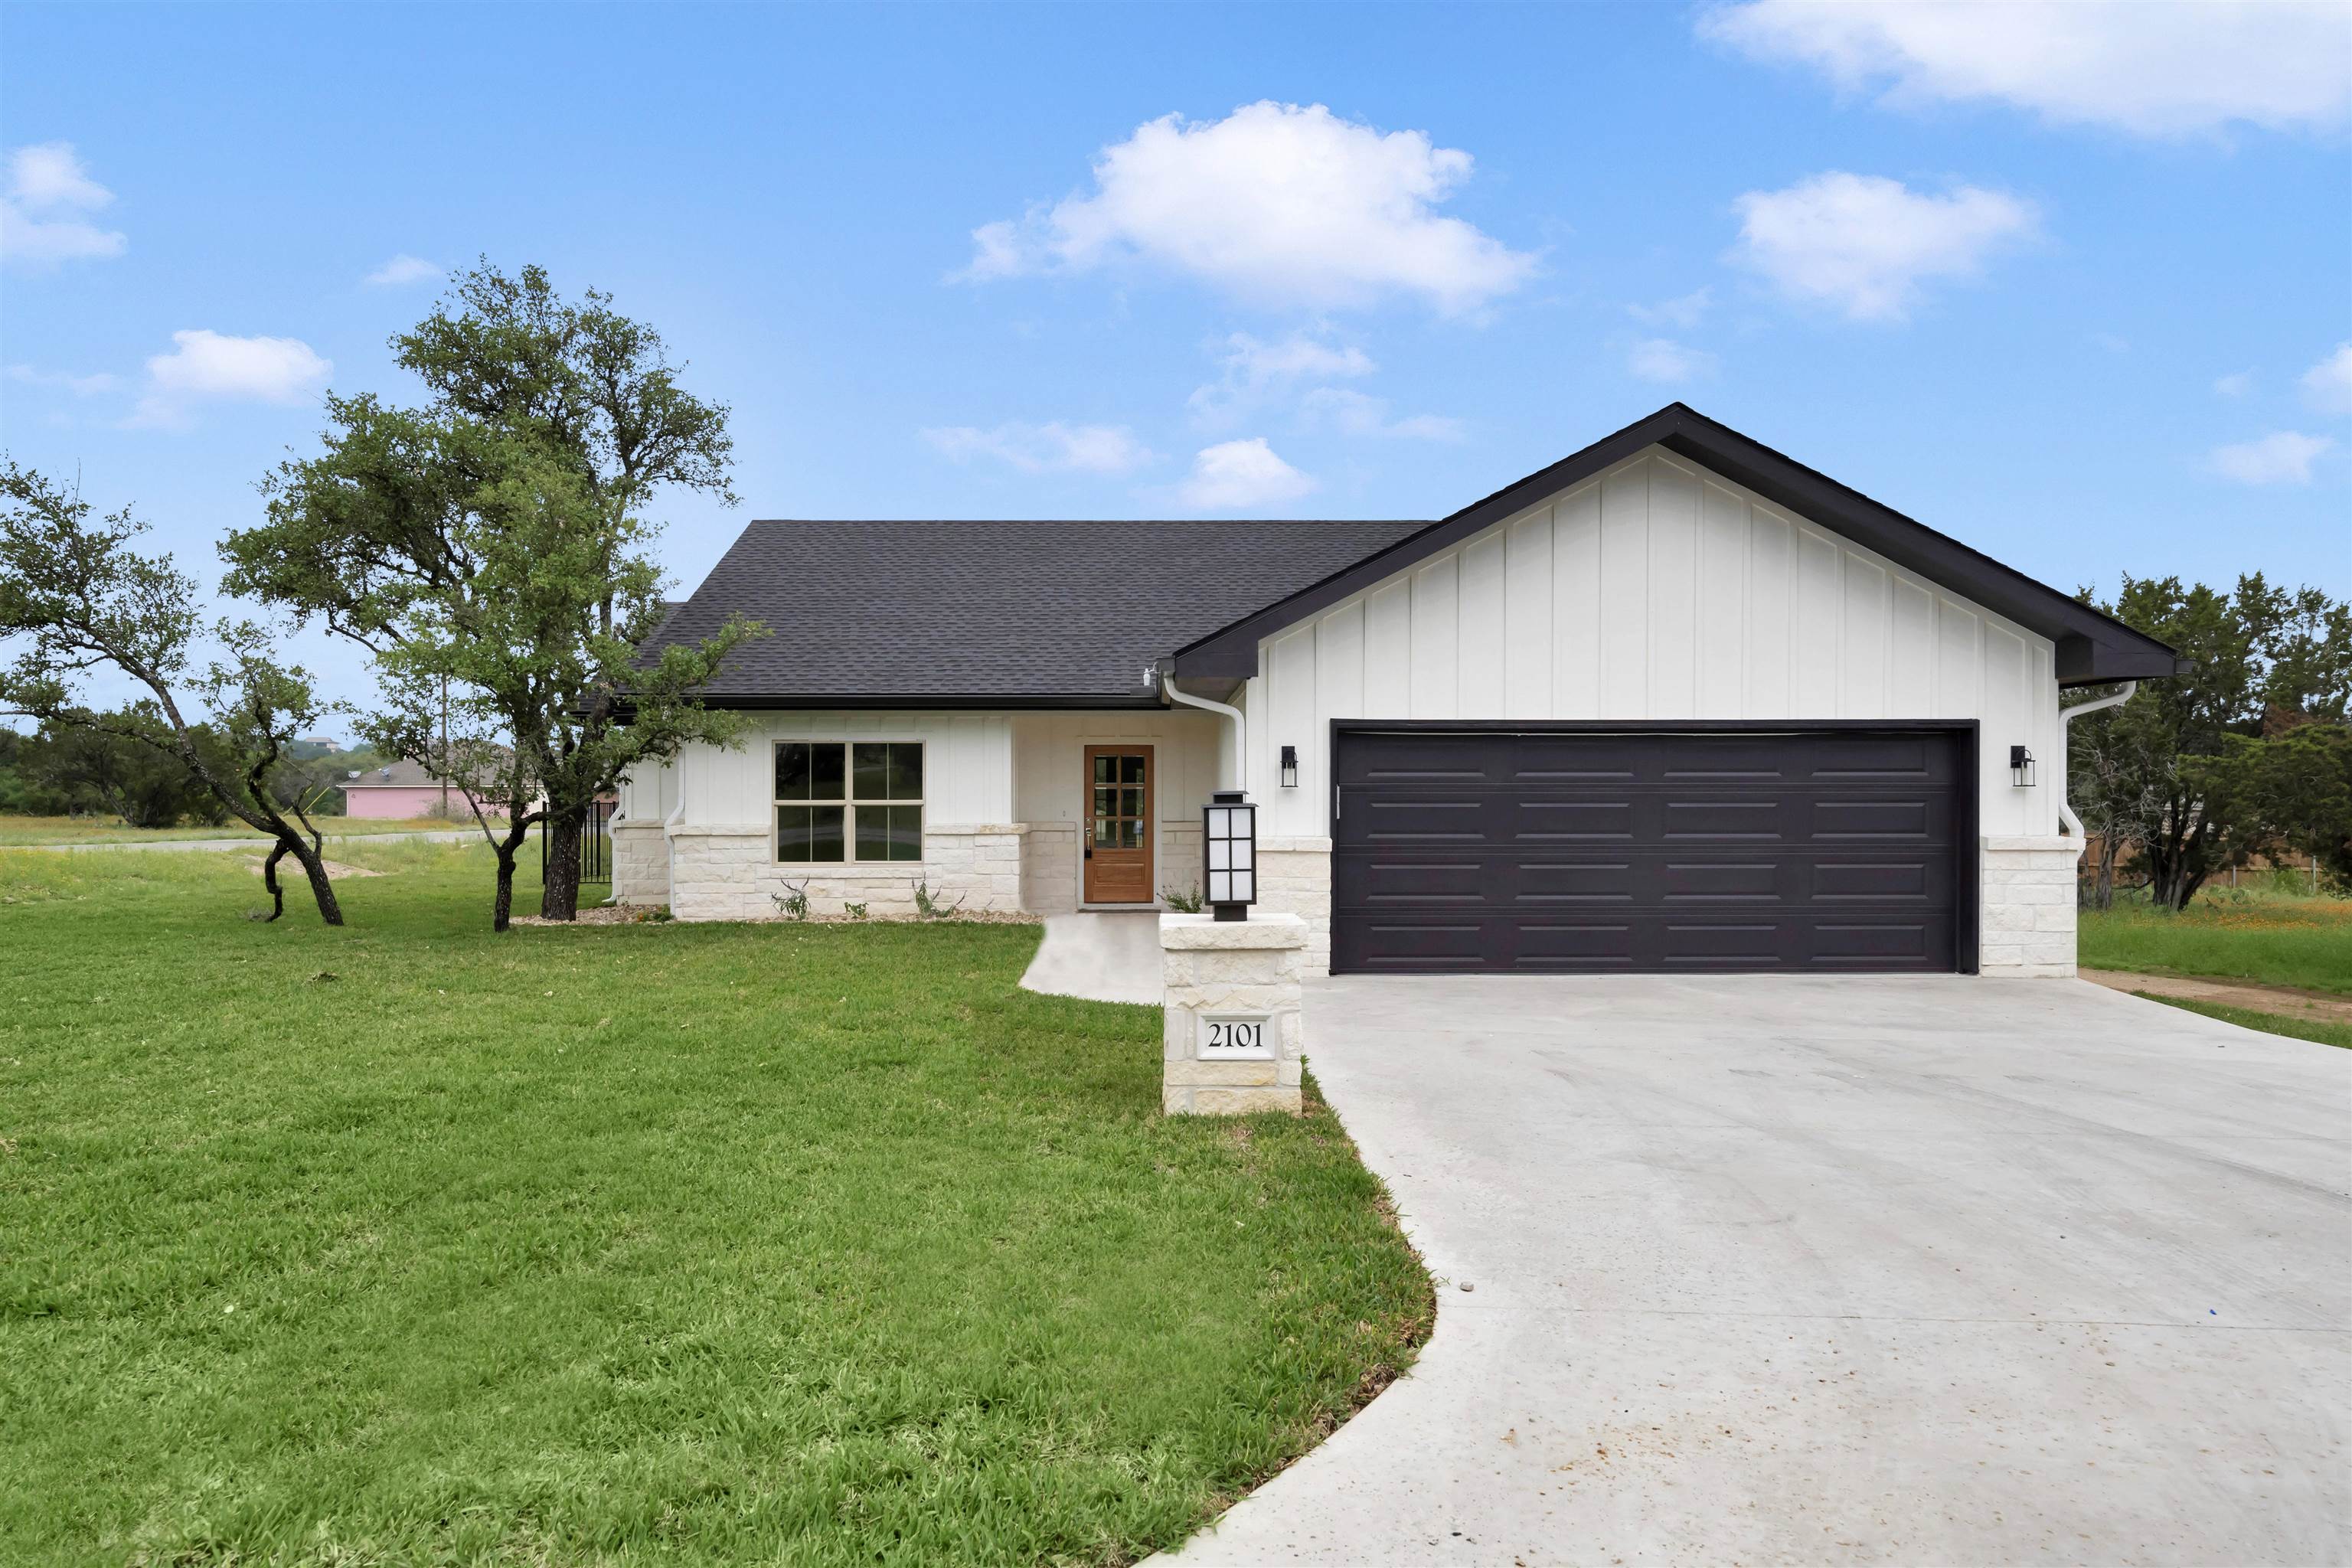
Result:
<point x="792" y="902"/>
<point x="1183" y="900"/>
<point x="927" y="906"/>
<point x="855" y="911"/>
<point x="657" y="915"/>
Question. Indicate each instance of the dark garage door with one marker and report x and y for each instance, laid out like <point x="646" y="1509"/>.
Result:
<point x="1642" y="849"/>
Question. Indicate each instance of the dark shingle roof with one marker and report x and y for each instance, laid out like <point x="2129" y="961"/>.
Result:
<point x="1041" y="611"/>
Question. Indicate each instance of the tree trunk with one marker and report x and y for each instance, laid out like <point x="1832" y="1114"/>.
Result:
<point x="559" y="893"/>
<point x="314" y="867"/>
<point x="502" y="904"/>
<point x="2103" y="879"/>
<point x="270" y="880"/>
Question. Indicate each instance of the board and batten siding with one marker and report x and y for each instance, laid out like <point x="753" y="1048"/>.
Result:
<point x="967" y="767"/>
<point x="1656" y="591"/>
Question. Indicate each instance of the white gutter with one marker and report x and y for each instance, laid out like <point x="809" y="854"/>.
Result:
<point x="1241" y="742"/>
<point x="2067" y="716"/>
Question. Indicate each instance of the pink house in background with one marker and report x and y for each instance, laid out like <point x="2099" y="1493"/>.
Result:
<point x="402" y="789"/>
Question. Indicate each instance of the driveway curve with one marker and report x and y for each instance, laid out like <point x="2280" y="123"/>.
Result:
<point x="1856" y="1270"/>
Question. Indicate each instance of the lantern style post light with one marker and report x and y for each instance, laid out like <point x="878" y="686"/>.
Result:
<point x="1229" y="854"/>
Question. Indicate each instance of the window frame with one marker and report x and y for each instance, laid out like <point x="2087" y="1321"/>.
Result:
<point x="848" y="801"/>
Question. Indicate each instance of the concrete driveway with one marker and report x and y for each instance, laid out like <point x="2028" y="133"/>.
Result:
<point x="1839" y="1271"/>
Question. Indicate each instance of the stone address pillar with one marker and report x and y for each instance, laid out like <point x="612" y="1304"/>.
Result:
<point x="1234" y="1031"/>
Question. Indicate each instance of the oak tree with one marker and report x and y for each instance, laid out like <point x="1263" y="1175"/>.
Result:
<point x="76" y="599"/>
<point x="495" y="544"/>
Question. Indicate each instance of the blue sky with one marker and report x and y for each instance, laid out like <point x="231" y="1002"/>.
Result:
<point x="2071" y="285"/>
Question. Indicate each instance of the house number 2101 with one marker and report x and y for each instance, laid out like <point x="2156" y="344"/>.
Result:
<point x="1230" y="1038"/>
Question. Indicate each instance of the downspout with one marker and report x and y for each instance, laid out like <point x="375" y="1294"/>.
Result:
<point x="1241" y="740"/>
<point x="2067" y="716"/>
<point x="670" y="853"/>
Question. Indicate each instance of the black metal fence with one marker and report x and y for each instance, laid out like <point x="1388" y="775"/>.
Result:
<point x="595" y="845"/>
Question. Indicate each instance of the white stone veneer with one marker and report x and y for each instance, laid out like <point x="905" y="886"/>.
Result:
<point x="640" y="862"/>
<point x="1294" y="876"/>
<point x="726" y="873"/>
<point x="1049" y="868"/>
<point x="2027" y="927"/>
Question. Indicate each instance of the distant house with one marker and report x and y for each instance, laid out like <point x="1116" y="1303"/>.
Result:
<point x="402" y="789"/>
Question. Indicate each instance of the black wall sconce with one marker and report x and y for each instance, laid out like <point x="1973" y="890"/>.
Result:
<point x="1290" y="767"/>
<point x="2020" y="767"/>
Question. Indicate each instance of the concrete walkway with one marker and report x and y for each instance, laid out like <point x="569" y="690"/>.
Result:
<point x="1851" y="1270"/>
<point x="259" y="845"/>
<point x="1102" y="956"/>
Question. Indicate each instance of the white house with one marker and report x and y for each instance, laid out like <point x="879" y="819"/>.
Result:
<point x="1675" y="702"/>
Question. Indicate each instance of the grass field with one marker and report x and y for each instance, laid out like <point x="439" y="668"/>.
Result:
<point x="2326" y="1031"/>
<point x="2278" y="938"/>
<point x="31" y="830"/>
<point x="696" y="1244"/>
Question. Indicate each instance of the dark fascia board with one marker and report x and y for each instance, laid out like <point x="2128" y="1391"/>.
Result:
<point x="2092" y="648"/>
<point x="907" y="702"/>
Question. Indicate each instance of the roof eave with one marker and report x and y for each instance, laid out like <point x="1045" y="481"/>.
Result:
<point x="2095" y="648"/>
<point x="905" y="701"/>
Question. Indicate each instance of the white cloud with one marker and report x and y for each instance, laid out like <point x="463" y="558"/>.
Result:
<point x="1254" y="371"/>
<point x="2172" y="67"/>
<point x="79" y="385"/>
<point x="46" y="188"/>
<point x="1279" y="203"/>
<point x="1360" y="414"/>
<point x="1668" y="362"/>
<point x="2237" y="384"/>
<point x="1865" y="244"/>
<point x="1050" y="447"/>
<point x="403" y="269"/>
<point x="1685" y="311"/>
<point x="209" y="366"/>
<point x="2284" y="457"/>
<point x="1232" y="475"/>
<point x="1297" y="354"/>
<point x="2327" y="385"/>
<point x="51" y="175"/>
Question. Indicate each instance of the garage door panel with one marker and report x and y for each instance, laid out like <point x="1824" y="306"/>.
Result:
<point x="1647" y="851"/>
<point x="1603" y="821"/>
<point x="1914" y="818"/>
<point x="1685" y="760"/>
<point x="1426" y="880"/>
<point x="1756" y="879"/>
<point x="1442" y="759"/>
<point x="1891" y="758"/>
<point x="1572" y="882"/>
<point x="1855" y="944"/>
<point x="1374" y="941"/>
<point x="1742" y="819"/>
<point x="1567" y="944"/>
<point x="1411" y="816"/>
<point x="1898" y="879"/>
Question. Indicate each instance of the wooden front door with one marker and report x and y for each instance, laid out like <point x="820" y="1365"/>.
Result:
<point x="1116" y="843"/>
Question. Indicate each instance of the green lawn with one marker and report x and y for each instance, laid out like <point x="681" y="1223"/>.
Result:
<point x="2326" y="1031"/>
<point x="22" y="830"/>
<point x="620" y="1244"/>
<point x="2280" y="939"/>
